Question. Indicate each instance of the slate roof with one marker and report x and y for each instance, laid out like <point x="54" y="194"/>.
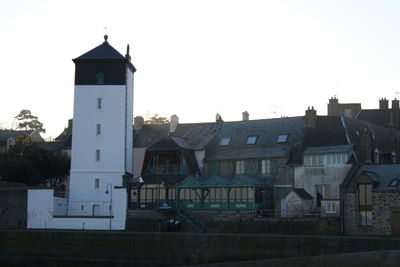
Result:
<point x="267" y="132"/>
<point x="331" y="134"/>
<point x="303" y="194"/>
<point x="103" y="53"/>
<point x="5" y="134"/>
<point x="380" y="174"/>
<point x="382" y="117"/>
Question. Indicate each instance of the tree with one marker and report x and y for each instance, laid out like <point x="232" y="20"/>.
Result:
<point x="27" y="163"/>
<point x="155" y="120"/>
<point x="28" y="121"/>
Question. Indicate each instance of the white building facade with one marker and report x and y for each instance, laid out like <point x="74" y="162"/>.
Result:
<point x="102" y="129"/>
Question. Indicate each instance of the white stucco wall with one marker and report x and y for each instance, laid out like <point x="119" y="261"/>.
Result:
<point x="294" y="206"/>
<point x="41" y="213"/>
<point x="60" y="206"/>
<point x="200" y="154"/>
<point x="308" y="177"/>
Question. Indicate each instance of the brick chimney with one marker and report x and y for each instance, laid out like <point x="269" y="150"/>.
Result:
<point x="138" y="122"/>
<point x="395" y="104"/>
<point x="333" y="107"/>
<point x="383" y="103"/>
<point x="365" y="147"/>
<point x="245" y="116"/>
<point x="310" y="119"/>
<point x="173" y="123"/>
<point x="218" y="118"/>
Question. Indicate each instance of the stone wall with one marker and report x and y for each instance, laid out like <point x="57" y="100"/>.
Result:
<point x="236" y="222"/>
<point x="13" y="208"/>
<point x="383" y="203"/>
<point x="87" y="248"/>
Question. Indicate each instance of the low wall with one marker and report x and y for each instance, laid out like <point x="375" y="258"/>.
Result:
<point x="163" y="249"/>
<point x="41" y="213"/>
<point x="237" y="222"/>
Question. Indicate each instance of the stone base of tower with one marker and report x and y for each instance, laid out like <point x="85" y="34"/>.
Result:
<point x="44" y="212"/>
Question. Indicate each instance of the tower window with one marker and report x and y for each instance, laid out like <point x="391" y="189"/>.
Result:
<point x="96" y="183"/>
<point x="98" y="155"/>
<point x="98" y="129"/>
<point x="99" y="102"/>
<point x="100" y="78"/>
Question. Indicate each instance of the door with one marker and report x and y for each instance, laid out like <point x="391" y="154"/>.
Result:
<point x="96" y="210"/>
<point x="396" y="223"/>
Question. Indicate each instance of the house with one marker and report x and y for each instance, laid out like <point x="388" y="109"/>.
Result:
<point x="305" y="156"/>
<point x="9" y="137"/>
<point x="371" y="196"/>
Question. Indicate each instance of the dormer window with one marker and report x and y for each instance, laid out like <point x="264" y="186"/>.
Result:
<point x="225" y="141"/>
<point x="10" y="142"/>
<point x="251" y="140"/>
<point x="282" y="138"/>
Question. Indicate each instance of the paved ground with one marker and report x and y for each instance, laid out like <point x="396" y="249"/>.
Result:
<point x="364" y="259"/>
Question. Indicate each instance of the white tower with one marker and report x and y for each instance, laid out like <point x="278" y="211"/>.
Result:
<point x="102" y="129"/>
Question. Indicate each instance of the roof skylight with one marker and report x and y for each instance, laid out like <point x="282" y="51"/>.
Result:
<point x="225" y="141"/>
<point x="282" y="138"/>
<point x="251" y="140"/>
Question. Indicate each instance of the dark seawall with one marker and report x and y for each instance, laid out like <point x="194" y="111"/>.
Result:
<point x="78" y="248"/>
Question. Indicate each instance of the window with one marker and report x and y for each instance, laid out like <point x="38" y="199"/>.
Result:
<point x="330" y="207"/>
<point x="96" y="183"/>
<point x="314" y="160"/>
<point x="282" y="138"/>
<point x="97" y="155"/>
<point x="100" y="78"/>
<point x="394" y="182"/>
<point x="376" y="155"/>
<point x="365" y="204"/>
<point x="225" y="141"/>
<point x="267" y="167"/>
<point x="98" y="129"/>
<point x="251" y="140"/>
<point x="99" y="103"/>
<point x="239" y="167"/>
<point x="10" y="142"/>
<point x="336" y="159"/>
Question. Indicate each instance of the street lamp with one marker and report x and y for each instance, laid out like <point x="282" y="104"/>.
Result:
<point x="110" y="207"/>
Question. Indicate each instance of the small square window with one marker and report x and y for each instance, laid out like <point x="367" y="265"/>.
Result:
<point x="251" y="140"/>
<point x="96" y="183"/>
<point x="97" y="155"/>
<point x="225" y="141"/>
<point x="98" y="129"/>
<point x="99" y="102"/>
<point x="282" y="138"/>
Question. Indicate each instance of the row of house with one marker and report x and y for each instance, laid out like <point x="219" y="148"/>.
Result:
<point x="339" y="165"/>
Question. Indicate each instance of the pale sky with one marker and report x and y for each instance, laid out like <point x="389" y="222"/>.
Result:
<point x="196" y="58"/>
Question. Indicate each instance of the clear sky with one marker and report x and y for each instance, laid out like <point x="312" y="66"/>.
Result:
<point x="196" y="58"/>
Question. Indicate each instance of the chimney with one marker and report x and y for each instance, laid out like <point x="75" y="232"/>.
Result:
<point x="395" y="104"/>
<point x="69" y="128"/>
<point x="383" y="103"/>
<point x="218" y="118"/>
<point x="365" y="148"/>
<point x="310" y="119"/>
<point x="138" y="122"/>
<point x="333" y="107"/>
<point x="245" y="116"/>
<point x="173" y="123"/>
